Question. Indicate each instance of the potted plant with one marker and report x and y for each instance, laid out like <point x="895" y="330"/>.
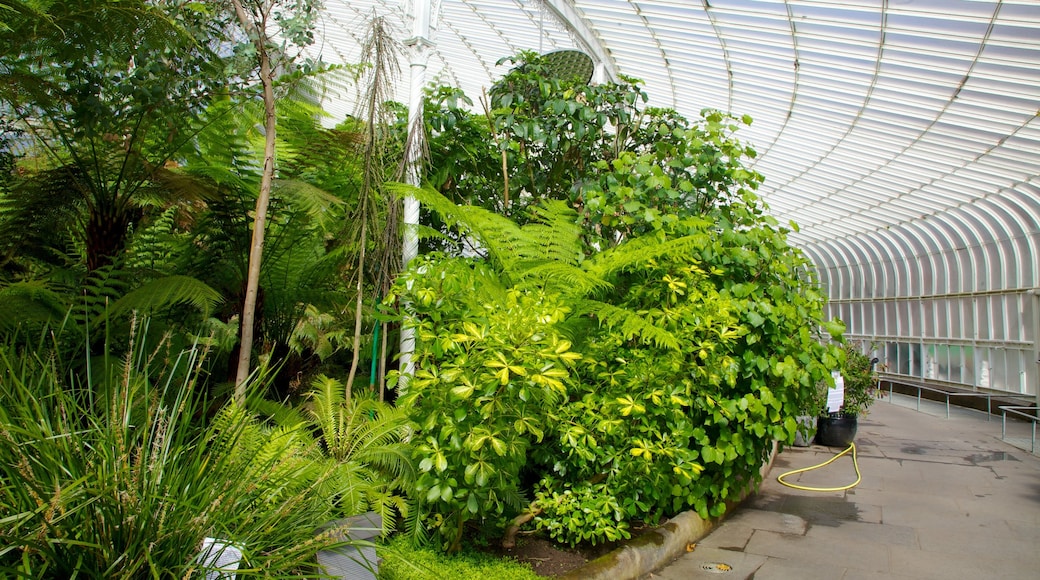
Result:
<point x="838" y="429"/>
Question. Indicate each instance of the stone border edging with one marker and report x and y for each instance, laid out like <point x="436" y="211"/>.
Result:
<point x="659" y="546"/>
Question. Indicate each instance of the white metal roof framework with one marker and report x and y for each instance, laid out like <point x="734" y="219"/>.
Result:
<point x="902" y="136"/>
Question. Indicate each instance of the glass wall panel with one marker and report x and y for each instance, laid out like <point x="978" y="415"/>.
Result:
<point x="927" y="328"/>
<point x="956" y="364"/>
<point x="1016" y="305"/>
<point x="954" y="306"/>
<point x="938" y="282"/>
<point x="942" y="362"/>
<point x="964" y="281"/>
<point x="1016" y="371"/>
<point x="983" y="274"/>
<point x="887" y="283"/>
<point x="942" y="319"/>
<point x="998" y="378"/>
<point x="998" y="327"/>
<point x="981" y="309"/>
<point x="902" y="317"/>
<point x="913" y="355"/>
<point x="1027" y="307"/>
<point x="994" y="265"/>
<point x="891" y="319"/>
<point x="1010" y="269"/>
<point x="968" y="375"/>
<point x="968" y="317"/>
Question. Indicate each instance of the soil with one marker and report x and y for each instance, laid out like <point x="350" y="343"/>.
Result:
<point x="549" y="559"/>
<point x="545" y="557"/>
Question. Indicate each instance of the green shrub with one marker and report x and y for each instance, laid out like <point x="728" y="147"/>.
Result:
<point x="128" y="486"/>
<point x="490" y="372"/>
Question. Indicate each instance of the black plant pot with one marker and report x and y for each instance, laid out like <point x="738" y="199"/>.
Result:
<point x="835" y="430"/>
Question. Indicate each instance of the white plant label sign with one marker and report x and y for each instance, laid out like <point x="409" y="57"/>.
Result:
<point x="836" y="394"/>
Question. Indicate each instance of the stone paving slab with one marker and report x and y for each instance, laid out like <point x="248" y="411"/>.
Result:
<point x="939" y="499"/>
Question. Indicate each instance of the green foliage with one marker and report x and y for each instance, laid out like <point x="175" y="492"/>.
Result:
<point x="698" y="326"/>
<point x="403" y="561"/>
<point x="491" y="371"/>
<point x="366" y="442"/>
<point x="127" y="486"/>
<point x="585" y="513"/>
<point x="860" y="380"/>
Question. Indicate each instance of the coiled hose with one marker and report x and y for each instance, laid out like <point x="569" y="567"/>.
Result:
<point x="855" y="463"/>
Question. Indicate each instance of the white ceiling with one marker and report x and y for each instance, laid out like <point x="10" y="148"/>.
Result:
<point x="868" y="113"/>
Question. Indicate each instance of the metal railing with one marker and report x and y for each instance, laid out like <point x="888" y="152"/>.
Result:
<point x="1033" y="414"/>
<point x="948" y="394"/>
<point x="1018" y="410"/>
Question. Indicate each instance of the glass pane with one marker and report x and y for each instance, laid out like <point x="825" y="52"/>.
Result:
<point x="956" y="364"/>
<point x="904" y="358"/>
<point x="954" y="306"/>
<point x="968" y="375"/>
<point x="942" y="362"/>
<point x="913" y="356"/>
<point x="941" y="319"/>
<point x="998" y="378"/>
<point x="982" y="317"/>
<point x="965" y="282"/>
<point x="927" y="328"/>
<point x="998" y="327"/>
<point x="1016" y="363"/>
<point x="1026" y="308"/>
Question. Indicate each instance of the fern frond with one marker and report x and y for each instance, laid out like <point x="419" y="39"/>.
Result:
<point x="314" y="201"/>
<point x="28" y="302"/>
<point x="327" y="396"/>
<point x="637" y="251"/>
<point x="165" y="292"/>
<point x="629" y="323"/>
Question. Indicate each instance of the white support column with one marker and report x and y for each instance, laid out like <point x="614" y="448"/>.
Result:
<point x="418" y="47"/>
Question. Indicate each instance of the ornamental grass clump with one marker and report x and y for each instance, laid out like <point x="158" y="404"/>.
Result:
<point x="122" y="476"/>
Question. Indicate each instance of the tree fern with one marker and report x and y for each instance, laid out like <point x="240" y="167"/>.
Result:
<point x="166" y="292"/>
<point x="29" y="302"/>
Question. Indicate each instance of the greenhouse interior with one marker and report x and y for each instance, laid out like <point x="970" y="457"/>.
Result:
<point x="519" y="288"/>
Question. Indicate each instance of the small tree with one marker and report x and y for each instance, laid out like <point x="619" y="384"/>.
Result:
<point x="293" y="19"/>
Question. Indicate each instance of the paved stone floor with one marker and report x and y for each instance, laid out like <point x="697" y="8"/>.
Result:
<point x="939" y="498"/>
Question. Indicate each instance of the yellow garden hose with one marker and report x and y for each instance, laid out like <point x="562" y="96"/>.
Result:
<point x="851" y="447"/>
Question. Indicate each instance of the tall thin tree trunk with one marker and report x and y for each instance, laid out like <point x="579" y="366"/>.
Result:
<point x="259" y="37"/>
<point x="358" y="311"/>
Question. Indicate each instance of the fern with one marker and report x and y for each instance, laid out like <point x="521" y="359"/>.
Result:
<point x="630" y="324"/>
<point x="166" y="292"/>
<point x="29" y="302"/>
<point x="363" y="444"/>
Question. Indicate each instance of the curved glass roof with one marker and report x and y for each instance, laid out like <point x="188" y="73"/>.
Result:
<point x="869" y="114"/>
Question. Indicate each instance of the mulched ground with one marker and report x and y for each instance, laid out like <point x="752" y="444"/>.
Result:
<point x="545" y="557"/>
<point x="549" y="559"/>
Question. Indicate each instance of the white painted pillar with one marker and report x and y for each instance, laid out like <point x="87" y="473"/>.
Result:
<point x="419" y="45"/>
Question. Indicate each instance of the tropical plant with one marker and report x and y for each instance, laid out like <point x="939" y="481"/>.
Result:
<point x="364" y="446"/>
<point x="857" y="371"/>
<point x="128" y="484"/>
<point x="490" y="374"/>
<point x="698" y="326"/>
<point x="294" y="21"/>
<point x="106" y="92"/>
